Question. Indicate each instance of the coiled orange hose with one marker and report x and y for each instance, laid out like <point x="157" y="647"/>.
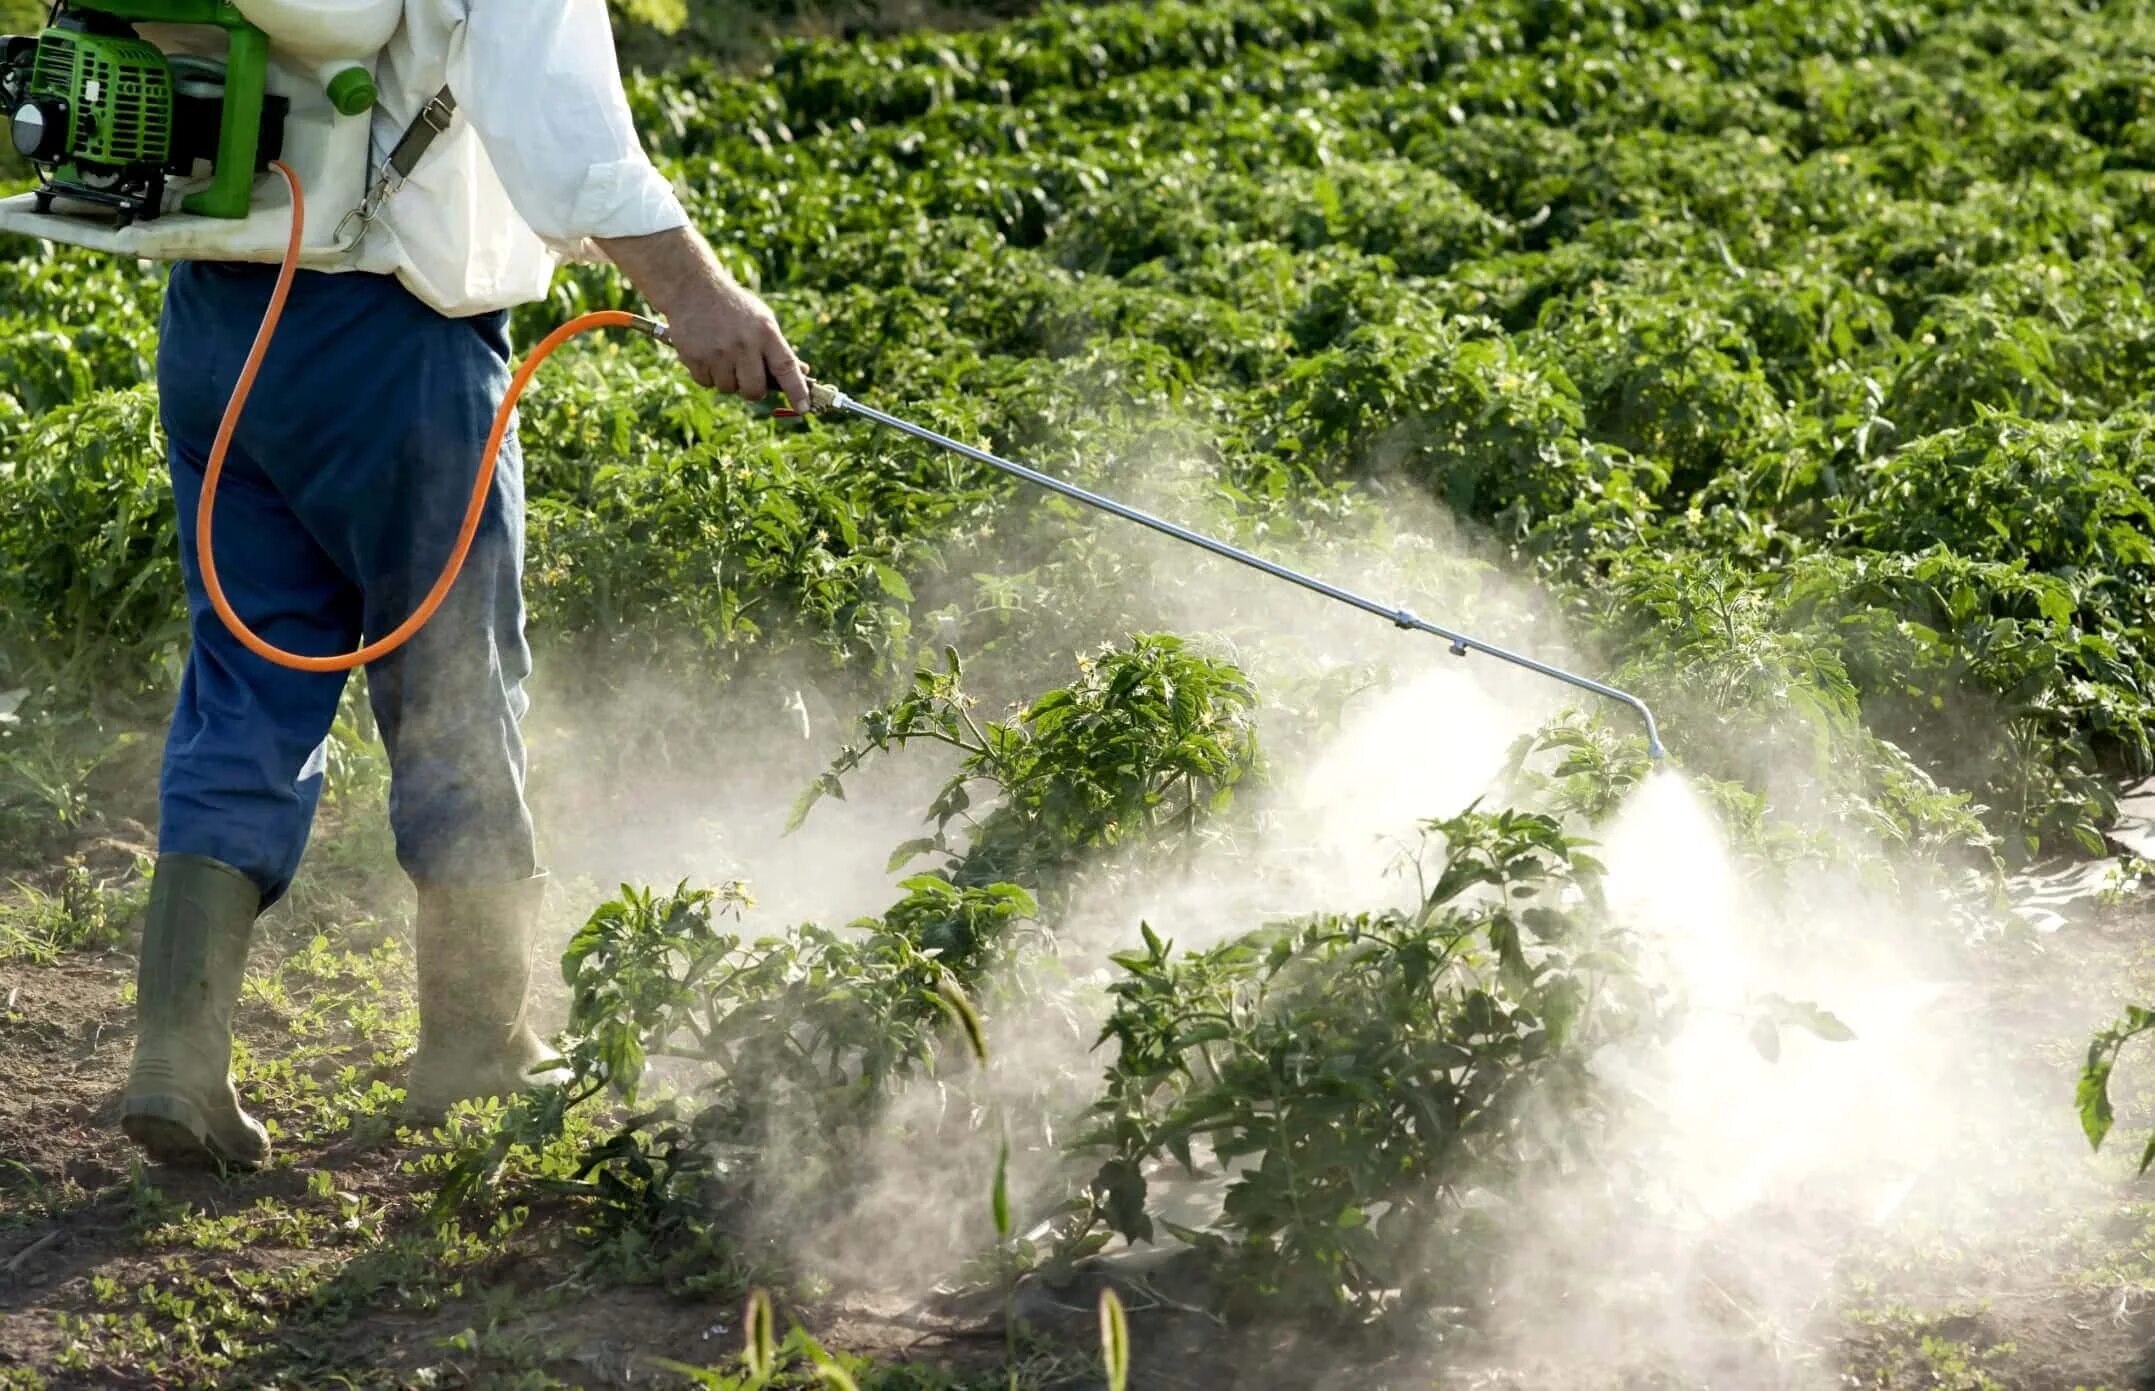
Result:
<point x="481" y="485"/>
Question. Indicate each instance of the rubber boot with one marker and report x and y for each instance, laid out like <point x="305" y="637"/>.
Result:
<point x="180" y="1104"/>
<point x="475" y="1035"/>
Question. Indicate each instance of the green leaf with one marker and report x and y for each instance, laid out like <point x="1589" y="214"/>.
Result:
<point x="908" y="850"/>
<point x="1826" y="1025"/>
<point x="2092" y="1093"/>
<point x="702" y="1376"/>
<point x="892" y="582"/>
<point x="1114" y="1341"/>
<point x="825" y="785"/>
<point x="666" y="16"/>
<point x="1121" y="1185"/>
<point x="1000" y="1200"/>
<point x="759" y="1350"/>
<point x="959" y="1006"/>
<point x="2093" y="1097"/>
<point x="827" y="1368"/>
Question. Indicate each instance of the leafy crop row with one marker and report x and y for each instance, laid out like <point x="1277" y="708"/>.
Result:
<point x="1801" y="352"/>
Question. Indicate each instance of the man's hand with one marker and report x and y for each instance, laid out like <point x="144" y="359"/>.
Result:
<point x="727" y="337"/>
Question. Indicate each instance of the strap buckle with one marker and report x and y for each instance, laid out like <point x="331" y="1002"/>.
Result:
<point x="439" y="111"/>
<point x="434" y="119"/>
<point x="370" y="203"/>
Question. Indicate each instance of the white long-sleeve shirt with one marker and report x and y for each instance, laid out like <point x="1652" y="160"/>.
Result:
<point x="541" y="158"/>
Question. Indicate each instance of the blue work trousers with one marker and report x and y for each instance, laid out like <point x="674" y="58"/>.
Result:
<point x="341" y="496"/>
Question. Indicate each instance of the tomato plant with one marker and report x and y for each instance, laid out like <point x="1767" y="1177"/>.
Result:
<point x="1797" y="355"/>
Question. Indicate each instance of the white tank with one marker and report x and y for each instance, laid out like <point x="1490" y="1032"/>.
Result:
<point x="316" y="47"/>
<point x="326" y="36"/>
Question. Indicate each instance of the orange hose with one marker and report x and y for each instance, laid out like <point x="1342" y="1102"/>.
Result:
<point x="481" y="485"/>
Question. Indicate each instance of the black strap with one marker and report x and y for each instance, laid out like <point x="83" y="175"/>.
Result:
<point x="432" y="120"/>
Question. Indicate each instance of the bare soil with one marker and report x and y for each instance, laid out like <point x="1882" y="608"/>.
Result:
<point x="88" y="1233"/>
<point x="76" y="1206"/>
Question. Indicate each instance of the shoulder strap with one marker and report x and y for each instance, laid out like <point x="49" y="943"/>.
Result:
<point x="432" y="120"/>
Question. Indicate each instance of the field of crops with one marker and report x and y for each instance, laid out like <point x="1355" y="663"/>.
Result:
<point x="1357" y="1015"/>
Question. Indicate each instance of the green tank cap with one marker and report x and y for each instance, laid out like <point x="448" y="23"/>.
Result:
<point x="352" y="91"/>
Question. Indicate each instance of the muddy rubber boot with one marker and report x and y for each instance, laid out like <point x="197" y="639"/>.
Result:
<point x="180" y="1105"/>
<point x="475" y="1036"/>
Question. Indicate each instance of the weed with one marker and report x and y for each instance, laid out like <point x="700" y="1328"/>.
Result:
<point x="85" y="915"/>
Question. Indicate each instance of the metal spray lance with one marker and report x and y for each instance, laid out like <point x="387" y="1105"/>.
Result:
<point x="826" y="400"/>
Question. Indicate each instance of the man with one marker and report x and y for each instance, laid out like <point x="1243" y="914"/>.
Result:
<point x="342" y="492"/>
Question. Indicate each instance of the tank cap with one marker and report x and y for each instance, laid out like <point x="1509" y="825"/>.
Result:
<point x="352" y="91"/>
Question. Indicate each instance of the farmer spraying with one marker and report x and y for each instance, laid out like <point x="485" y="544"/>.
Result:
<point x="471" y="145"/>
<point x="341" y="494"/>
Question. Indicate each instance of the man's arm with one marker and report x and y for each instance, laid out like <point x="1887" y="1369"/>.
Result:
<point x="539" y="82"/>
<point x="726" y="336"/>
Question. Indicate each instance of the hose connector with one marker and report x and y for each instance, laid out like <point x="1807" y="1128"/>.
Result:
<point x="654" y="329"/>
<point x="823" y="398"/>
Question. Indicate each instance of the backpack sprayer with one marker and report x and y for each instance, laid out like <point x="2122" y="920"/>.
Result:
<point x="151" y="122"/>
<point x="148" y="144"/>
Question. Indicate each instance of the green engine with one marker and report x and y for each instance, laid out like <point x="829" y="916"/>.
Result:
<point x="107" y="117"/>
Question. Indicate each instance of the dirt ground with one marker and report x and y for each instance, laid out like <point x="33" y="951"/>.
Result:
<point x="76" y="1209"/>
<point x="326" y="1270"/>
<point x="351" y="1301"/>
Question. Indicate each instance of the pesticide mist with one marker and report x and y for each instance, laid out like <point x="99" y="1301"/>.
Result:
<point x="1764" y="1153"/>
<point x="1814" y="1083"/>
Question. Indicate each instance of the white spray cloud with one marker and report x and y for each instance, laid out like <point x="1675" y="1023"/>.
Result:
<point x="1715" y="1250"/>
<point x="1712" y="1246"/>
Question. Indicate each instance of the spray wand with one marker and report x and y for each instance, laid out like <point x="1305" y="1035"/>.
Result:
<point x="825" y="400"/>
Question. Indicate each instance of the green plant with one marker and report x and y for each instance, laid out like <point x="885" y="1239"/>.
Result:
<point x="767" y="1363"/>
<point x="85" y="914"/>
<point x="801" y="1037"/>
<point x="1358" y="1077"/>
<point x="1798" y="354"/>
<point x="1148" y="743"/>
<point x="2092" y="1094"/>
